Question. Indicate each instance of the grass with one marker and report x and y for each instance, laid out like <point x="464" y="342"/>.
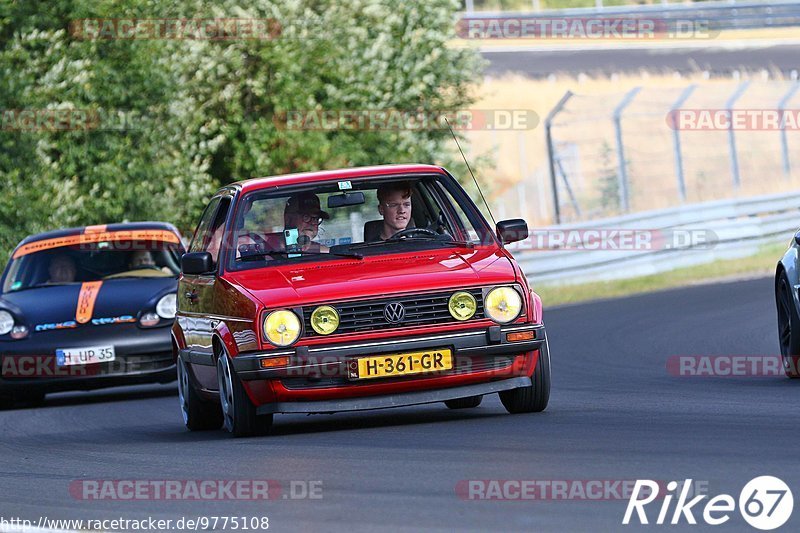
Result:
<point x="761" y="264"/>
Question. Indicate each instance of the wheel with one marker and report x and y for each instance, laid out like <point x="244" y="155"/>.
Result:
<point x="30" y="399"/>
<point x="533" y="398"/>
<point x="6" y="400"/>
<point x="464" y="403"/>
<point x="198" y="414"/>
<point x="788" y="326"/>
<point x="239" y="413"/>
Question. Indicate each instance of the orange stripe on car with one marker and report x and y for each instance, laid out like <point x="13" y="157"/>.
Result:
<point x="86" y="299"/>
<point x="97" y="236"/>
<point x="95" y="229"/>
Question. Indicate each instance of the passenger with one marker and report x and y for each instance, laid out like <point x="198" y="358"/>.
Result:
<point x="303" y="212"/>
<point x="62" y="269"/>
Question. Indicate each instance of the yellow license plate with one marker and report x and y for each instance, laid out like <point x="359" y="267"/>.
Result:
<point x="404" y="364"/>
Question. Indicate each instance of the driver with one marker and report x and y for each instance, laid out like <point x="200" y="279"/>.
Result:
<point x="143" y="259"/>
<point x="394" y="205"/>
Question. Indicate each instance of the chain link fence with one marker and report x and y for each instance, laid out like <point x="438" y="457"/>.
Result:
<point x="612" y="154"/>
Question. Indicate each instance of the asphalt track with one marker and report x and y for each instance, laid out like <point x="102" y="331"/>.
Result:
<point x="717" y="60"/>
<point x="615" y="414"/>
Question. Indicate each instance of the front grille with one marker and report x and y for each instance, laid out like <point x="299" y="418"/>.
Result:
<point x="421" y="309"/>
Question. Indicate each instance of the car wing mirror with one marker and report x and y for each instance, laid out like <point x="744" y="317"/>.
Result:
<point x="196" y="263"/>
<point x="512" y="230"/>
<point x="797" y="237"/>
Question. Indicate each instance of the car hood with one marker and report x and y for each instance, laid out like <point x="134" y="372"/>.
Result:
<point x="346" y="279"/>
<point x="57" y="304"/>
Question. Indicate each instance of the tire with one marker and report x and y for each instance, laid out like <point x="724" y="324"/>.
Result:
<point x="238" y="412"/>
<point x="533" y="398"/>
<point x="6" y="401"/>
<point x="788" y="326"/>
<point x="464" y="403"/>
<point x="198" y="414"/>
<point x="30" y="399"/>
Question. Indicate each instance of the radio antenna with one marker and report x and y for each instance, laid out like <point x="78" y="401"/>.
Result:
<point x="470" y="171"/>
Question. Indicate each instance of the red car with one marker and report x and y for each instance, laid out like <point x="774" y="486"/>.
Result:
<point x="352" y="289"/>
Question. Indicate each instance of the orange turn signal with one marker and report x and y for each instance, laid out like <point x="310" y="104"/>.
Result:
<point x="521" y="336"/>
<point x="275" y="362"/>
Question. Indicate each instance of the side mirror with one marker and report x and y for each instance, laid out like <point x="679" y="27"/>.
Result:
<point x="196" y="263"/>
<point x="512" y="230"/>
<point x="797" y="238"/>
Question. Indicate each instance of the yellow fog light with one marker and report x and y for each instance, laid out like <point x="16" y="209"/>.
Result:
<point x="282" y="327"/>
<point x="503" y="304"/>
<point x="325" y="320"/>
<point x="462" y="305"/>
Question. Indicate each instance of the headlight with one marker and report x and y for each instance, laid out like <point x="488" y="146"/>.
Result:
<point x="6" y="322"/>
<point x="167" y="306"/>
<point x="503" y="304"/>
<point x="282" y="327"/>
<point x="462" y="305"/>
<point x="325" y="320"/>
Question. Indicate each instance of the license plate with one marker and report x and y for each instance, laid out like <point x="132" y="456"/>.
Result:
<point x="84" y="356"/>
<point x="404" y="364"/>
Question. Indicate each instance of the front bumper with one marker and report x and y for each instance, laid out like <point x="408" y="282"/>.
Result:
<point x="317" y="376"/>
<point x="142" y="356"/>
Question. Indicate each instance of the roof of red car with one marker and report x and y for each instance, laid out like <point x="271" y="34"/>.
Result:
<point x="340" y="174"/>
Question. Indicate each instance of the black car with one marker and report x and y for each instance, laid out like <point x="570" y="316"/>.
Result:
<point x="90" y="307"/>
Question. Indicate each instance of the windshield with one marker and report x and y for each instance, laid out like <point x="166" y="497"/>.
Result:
<point x="353" y="219"/>
<point x="80" y="262"/>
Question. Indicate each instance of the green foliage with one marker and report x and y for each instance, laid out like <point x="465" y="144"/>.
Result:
<point x="178" y="118"/>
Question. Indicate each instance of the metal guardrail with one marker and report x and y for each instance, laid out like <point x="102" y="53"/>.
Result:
<point x="722" y="15"/>
<point x="731" y="229"/>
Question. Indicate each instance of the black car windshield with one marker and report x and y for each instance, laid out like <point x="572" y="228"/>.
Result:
<point x="353" y="219"/>
<point x="83" y="261"/>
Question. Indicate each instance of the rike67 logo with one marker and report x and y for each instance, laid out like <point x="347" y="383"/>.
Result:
<point x="765" y="503"/>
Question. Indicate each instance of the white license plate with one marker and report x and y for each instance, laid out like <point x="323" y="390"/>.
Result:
<point x="85" y="356"/>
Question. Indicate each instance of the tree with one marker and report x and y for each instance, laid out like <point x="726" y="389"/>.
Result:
<point x="177" y="118"/>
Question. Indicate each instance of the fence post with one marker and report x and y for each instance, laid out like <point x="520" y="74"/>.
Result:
<point x="548" y="123"/>
<point x="676" y="140"/>
<point x="623" y="171"/>
<point x="787" y="168"/>
<point x="731" y="135"/>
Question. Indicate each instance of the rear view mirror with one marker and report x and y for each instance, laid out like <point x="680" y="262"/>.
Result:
<point x="512" y="230"/>
<point x="346" y="199"/>
<point x="197" y="263"/>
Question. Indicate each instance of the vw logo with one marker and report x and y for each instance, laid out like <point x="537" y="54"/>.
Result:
<point x="394" y="312"/>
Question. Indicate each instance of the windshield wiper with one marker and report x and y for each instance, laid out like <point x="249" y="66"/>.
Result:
<point x="439" y="240"/>
<point x="281" y="253"/>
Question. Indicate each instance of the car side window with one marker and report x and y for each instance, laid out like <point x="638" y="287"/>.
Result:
<point x="203" y="232"/>
<point x="217" y="230"/>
